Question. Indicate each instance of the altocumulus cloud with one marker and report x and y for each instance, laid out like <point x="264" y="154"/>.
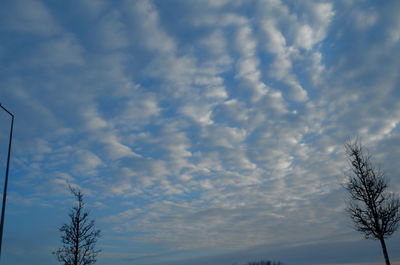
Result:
<point x="196" y="128"/>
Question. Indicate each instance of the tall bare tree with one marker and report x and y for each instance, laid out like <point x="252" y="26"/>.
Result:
<point x="373" y="209"/>
<point x="79" y="236"/>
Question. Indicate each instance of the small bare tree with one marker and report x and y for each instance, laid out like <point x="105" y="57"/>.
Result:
<point x="374" y="210"/>
<point x="79" y="236"/>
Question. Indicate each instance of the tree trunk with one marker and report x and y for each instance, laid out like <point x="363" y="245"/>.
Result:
<point x="385" y="254"/>
<point x="77" y="237"/>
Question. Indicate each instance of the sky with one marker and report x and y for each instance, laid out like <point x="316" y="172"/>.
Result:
<point x="200" y="131"/>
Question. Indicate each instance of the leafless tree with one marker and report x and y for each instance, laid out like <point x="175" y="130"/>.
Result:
<point x="79" y="236"/>
<point x="373" y="209"/>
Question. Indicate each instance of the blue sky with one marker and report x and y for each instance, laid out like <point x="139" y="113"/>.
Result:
<point x="201" y="131"/>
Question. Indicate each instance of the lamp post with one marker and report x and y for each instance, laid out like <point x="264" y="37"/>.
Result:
<point x="3" y="209"/>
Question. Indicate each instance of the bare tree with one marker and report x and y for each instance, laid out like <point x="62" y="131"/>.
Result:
<point x="373" y="209"/>
<point x="79" y="236"/>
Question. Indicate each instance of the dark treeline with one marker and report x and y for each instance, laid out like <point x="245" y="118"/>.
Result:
<point x="263" y="262"/>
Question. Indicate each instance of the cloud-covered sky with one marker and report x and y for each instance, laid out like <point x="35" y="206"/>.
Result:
<point x="201" y="131"/>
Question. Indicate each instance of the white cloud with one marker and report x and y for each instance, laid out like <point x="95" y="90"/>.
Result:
<point x="31" y="17"/>
<point x="115" y="149"/>
<point x="112" y="32"/>
<point x="63" y="50"/>
<point x="248" y="64"/>
<point x="392" y="22"/>
<point x="137" y="110"/>
<point x="320" y="17"/>
<point x="151" y="35"/>
<point x="86" y="162"/>
<point x="223" y="20"/>
<point x="364" y="20"/>
<point x="225" y="124"/>
<point x="282" y="65"/>
<point x="201" y="114"/>
<point x="226" y="137"/>
<point x="305" y="38"/>
<point x="92" y="119"/>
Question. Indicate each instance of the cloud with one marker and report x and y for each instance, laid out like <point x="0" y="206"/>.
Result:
<point x="319" y="18"/>
<point x="112" y="32"/>
<point x="93" y="8"/>
<point x="152" y="36"/>
<point x="248" y="64"/>
<point x="92" y="119"/>
<point x="86" y="162"/>
<point x="200" y="126"/>
<point x="60" y="52"/>
<point x="282" y="66"/>
<point x="32" y="17"/>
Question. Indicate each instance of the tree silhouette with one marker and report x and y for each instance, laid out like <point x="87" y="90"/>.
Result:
<point x="264" y="262"/>
<point x="373" y="209"/>
<point x="79" y="236"/>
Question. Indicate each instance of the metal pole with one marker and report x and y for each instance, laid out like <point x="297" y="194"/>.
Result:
<point x="3" y="209"/>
